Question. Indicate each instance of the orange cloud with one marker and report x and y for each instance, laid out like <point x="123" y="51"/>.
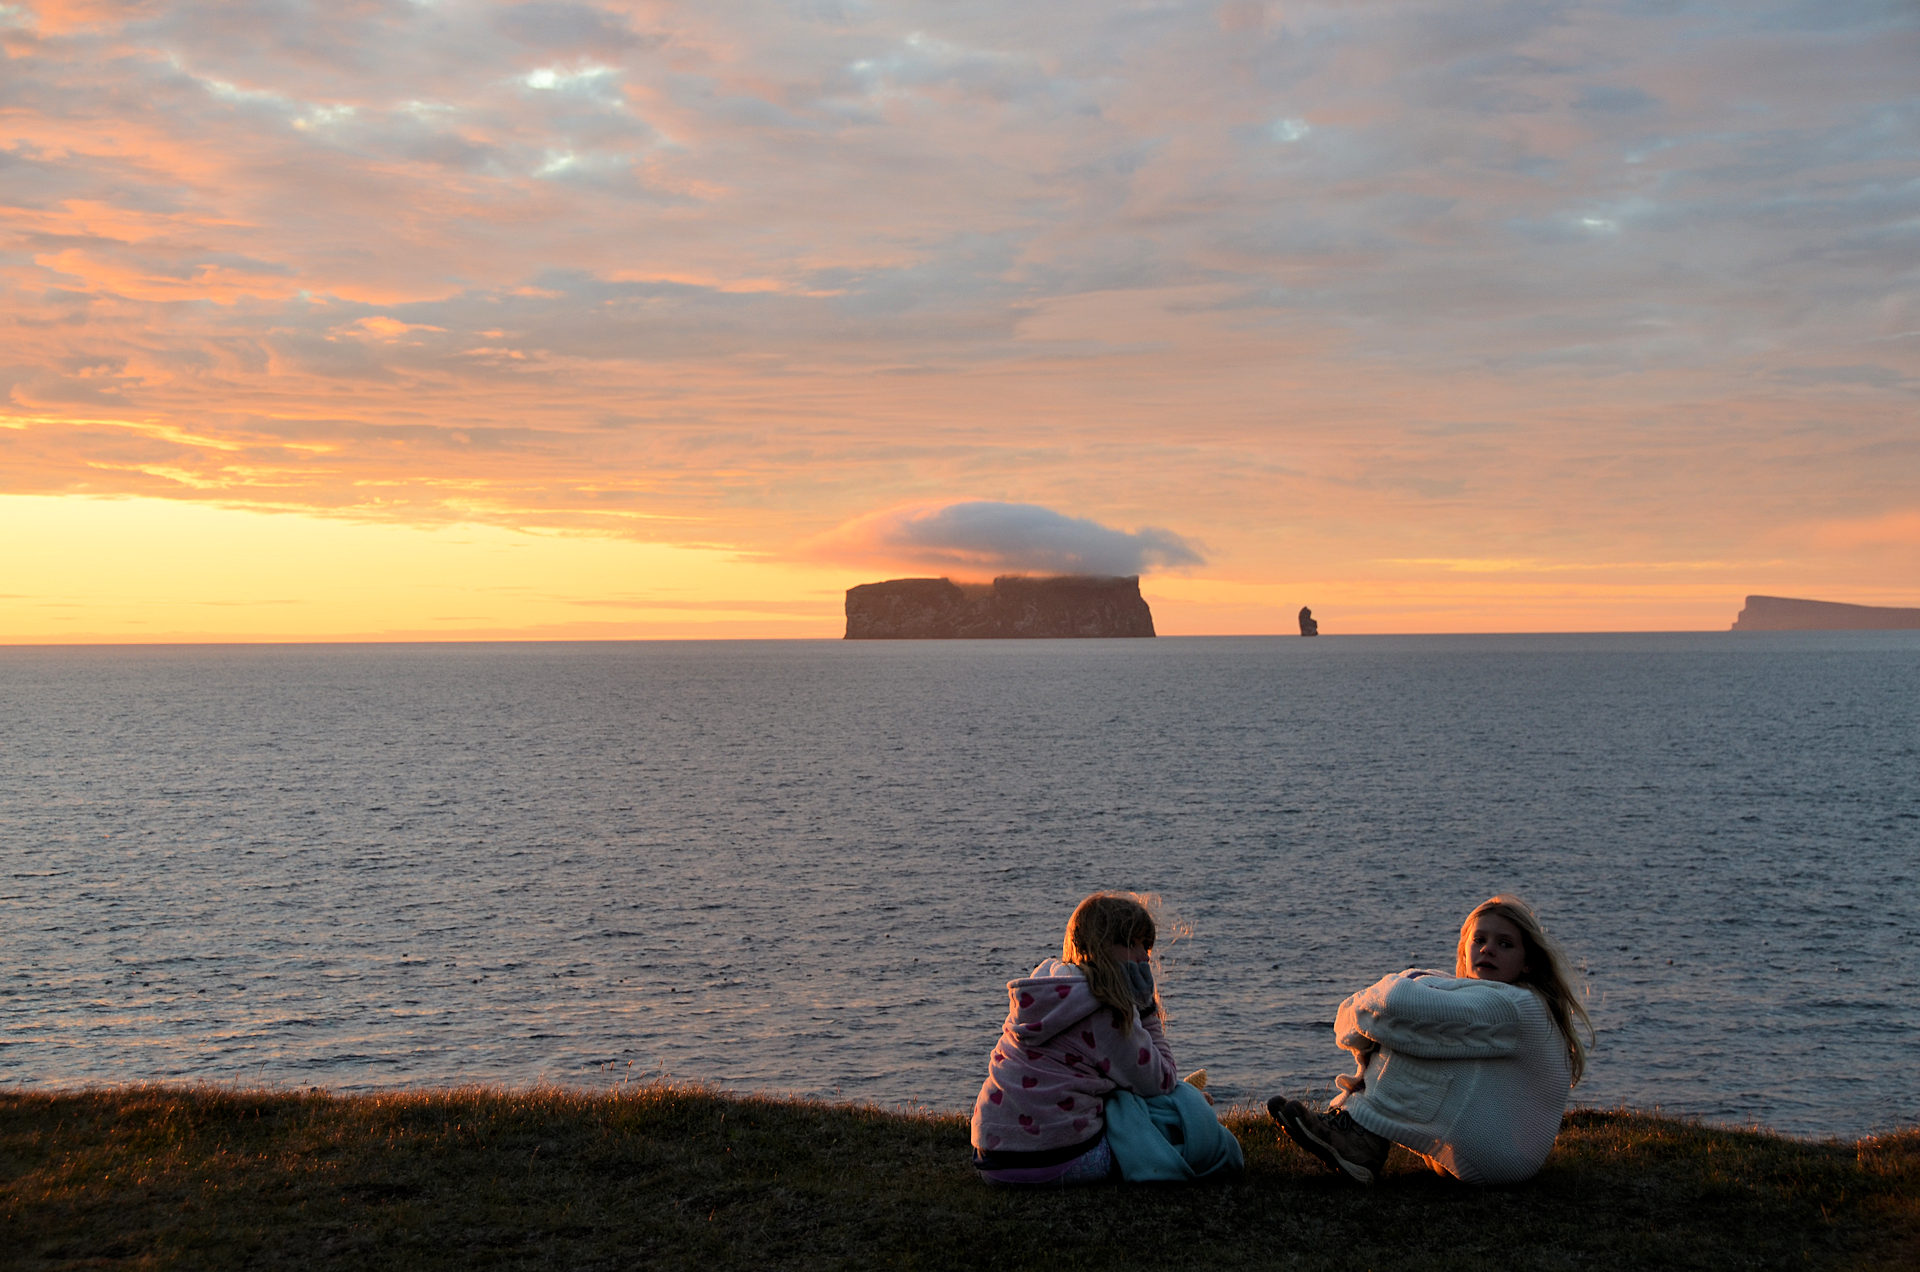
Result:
<point x="381" y="327"/>
<point x="1899" y="529"/>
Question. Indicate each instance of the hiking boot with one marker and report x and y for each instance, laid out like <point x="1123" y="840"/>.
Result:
<point x="1333" y="1137"/>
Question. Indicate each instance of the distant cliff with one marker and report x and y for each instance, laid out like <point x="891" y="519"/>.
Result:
<point x="1784" y="614"/>
<point x="1012" y="608"/>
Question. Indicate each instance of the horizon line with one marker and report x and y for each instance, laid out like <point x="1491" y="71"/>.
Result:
<point x="637" y="640"/>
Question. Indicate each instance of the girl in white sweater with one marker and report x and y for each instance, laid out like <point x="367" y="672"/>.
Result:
<point x="1470" y="1072"/>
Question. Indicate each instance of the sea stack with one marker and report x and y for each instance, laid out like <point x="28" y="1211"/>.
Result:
<point x="1309" y="625"/>
<point x="1012" y="607"/>
<point x="1785" y="614"/>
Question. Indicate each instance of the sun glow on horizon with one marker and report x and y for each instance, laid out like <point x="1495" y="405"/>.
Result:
<point x="88" y="570"/>
<point x="127" y="570"/>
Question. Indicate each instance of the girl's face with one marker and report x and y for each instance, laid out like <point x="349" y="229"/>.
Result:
<point x="1135" y="953"/>
<point x="1495" y="951"/>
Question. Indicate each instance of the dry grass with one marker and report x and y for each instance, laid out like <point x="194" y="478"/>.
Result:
<point x="674" y="1176"/>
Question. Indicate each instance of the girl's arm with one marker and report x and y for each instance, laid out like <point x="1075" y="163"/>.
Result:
<point x="1438" y="1018"/>
<point x="1135" y="1056"/>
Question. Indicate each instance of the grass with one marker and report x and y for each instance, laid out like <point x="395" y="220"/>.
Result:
<point x="681" y="1177"/>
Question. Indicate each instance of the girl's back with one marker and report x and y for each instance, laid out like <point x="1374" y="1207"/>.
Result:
<point x="1059" y="1052"/>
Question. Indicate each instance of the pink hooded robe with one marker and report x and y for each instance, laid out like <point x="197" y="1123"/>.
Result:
<point x="1058" y="1054"/>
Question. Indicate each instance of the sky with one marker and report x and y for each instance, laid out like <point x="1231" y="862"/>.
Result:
<point x="429" y="319"/>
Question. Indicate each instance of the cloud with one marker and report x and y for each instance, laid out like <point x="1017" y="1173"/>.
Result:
<point x="984" y="537"/>
<point x="735" y="267"/>
<point x="1898" y="529"/>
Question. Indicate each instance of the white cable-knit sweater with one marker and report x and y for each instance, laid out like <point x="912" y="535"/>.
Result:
<point x="1470" y="1074"/>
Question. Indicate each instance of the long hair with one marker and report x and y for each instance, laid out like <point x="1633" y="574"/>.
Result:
<point x="1099" y="923"/>
<point x="1547" y="972"/>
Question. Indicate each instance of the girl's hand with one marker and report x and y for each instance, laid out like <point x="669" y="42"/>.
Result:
<point x="1198" y="1081"/>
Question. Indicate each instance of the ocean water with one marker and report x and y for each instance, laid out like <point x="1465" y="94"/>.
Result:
<point x="810" y="867"/>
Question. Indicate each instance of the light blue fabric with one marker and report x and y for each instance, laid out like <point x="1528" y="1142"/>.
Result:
<point x="1141" y="1133"/>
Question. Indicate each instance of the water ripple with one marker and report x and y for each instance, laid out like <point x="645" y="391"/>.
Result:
<point x="809" y="866"/>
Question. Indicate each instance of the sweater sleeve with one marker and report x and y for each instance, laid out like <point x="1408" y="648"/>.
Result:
<point x="1438" y="1018"/>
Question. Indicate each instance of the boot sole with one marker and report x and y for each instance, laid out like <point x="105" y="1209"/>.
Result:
<point x="1298" y="1132"/>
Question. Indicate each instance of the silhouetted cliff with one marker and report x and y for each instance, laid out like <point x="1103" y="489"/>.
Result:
<point x="1784" y="614"/>
<point x="1012" y="608"/>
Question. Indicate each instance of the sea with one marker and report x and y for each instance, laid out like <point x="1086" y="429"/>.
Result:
<point x="810" y="867"/>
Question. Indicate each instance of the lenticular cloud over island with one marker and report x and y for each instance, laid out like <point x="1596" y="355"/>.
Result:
<point x="984" y="537"/>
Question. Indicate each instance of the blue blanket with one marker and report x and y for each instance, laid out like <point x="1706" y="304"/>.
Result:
<point x="1142" y="1135"/>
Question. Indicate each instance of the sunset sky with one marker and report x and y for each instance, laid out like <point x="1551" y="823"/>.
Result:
<point x="428" y="319"/>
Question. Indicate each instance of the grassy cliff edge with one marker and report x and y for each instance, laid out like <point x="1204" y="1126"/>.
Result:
<point x="666" y="1176"/>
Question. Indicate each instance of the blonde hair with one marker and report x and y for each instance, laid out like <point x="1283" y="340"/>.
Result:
<point x="1547" y="971"/>
<point x="1099" y="923"/>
